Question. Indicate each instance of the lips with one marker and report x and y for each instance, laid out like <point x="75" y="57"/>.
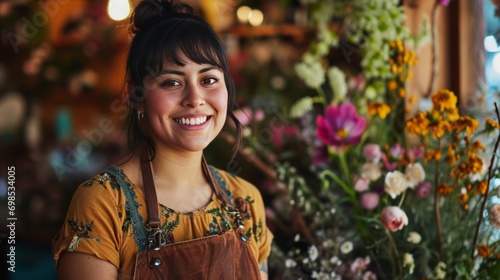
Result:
<point x="192" y="120"/>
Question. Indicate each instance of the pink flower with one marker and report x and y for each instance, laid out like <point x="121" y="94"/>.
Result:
<point x="387" y="164"/>
<point x="360" y="264"/>
<point x="369" y="200"/>
<point x="396" y="151"/>
<point x="340" y="126"/>
<point x="393" y="218"/>
<point x="361" y="184"/>
<point x="415" y="153"/>
<point x="444" y="2"/>
<point x="282" y="135"/>
<point x="423" y="190"/>
<point x="372" y="152"/>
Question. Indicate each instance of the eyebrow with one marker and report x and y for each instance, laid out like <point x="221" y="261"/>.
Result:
<point x="176" y="72"/>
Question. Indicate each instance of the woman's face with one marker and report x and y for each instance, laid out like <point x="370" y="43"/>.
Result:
<point x="186" y="106"/>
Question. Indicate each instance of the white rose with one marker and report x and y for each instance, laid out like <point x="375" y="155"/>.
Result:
<point x="415" y="173"/>
<point x="395" y="183"/>
<point x="371" y="171"/>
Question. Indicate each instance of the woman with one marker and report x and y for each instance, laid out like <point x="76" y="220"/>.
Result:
<point x="164" y="213"/>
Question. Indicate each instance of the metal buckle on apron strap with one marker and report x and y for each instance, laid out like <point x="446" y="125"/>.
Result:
<point x="238" y="221"/>
<point x="155" y="241"/>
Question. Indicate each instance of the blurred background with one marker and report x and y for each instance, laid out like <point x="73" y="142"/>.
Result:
<point x="62" y="66"/>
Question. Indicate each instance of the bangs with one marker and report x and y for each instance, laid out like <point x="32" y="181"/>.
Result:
<point x="197" y="47"/>
<point x="173" y="41"/>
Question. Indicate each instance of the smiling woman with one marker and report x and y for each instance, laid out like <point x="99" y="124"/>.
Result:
<point x="164" y="213"/>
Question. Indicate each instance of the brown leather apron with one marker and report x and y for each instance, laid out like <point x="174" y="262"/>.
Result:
<point x="224" y="256"/>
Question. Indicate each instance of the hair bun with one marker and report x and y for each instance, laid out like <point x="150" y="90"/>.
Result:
<point x="147" y="13"/>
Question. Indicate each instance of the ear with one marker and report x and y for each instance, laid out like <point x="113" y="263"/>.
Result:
<point x="136" y="98"/>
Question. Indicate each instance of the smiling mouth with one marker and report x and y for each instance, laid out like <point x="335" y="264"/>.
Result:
<point x="192" y="121"/>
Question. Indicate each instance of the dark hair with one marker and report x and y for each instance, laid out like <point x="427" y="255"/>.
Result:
<point x="164" y="31"/>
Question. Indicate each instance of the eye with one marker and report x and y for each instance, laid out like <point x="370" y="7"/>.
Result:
<point x="170" y="83"/>
<point x="210" y="80"/>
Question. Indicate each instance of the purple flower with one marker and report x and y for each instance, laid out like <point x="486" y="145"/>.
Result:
<point x="444" y="2"/>
<point x="423" y="190"/>
<point x="340" y="126"/>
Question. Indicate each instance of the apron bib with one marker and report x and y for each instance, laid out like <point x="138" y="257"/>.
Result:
<point x="215" y="257"/>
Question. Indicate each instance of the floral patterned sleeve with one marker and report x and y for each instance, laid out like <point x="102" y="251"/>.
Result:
<point x="263" y="235"/>
<point x="93" y="221"/>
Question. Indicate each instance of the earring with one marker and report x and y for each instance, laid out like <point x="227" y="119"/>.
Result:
<point x="140" y="115"/>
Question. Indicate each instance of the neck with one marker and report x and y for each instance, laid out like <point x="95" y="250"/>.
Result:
<point x="178" y="170"/>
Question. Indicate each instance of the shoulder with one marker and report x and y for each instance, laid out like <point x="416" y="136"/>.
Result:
<point x="104" y="186"/>
<point x="236" y="185"/>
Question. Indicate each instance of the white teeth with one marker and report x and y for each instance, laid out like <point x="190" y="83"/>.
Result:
<point x="192" y="121"/>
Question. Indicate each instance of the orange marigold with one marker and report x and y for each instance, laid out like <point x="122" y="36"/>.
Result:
<point x="483" y="251"/>
<point x="379" y="108"/>
<point x="444" y="189"/>
<point x="465" y="122"/>
<point x="444" y="99"/>
<point x="475" y="164"/>
<point x="439" y="128"/>
<point x="491" y="125"/>
<point x="392" y="85"/>
<point x="402" y="92"/>
<point x="482" y="187"/>
<point x="477" y="146"/>
<point x="463" y="197"/>
<point x="418" y="125"/>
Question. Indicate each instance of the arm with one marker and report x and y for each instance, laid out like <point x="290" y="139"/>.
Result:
<point x="81" y="266"/>
<point x="263" y="270"/>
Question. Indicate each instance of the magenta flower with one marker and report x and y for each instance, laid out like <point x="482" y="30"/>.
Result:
<point x="340" y="126"/>
<point x="423" y="190"/>
<point x="444" y="2"/>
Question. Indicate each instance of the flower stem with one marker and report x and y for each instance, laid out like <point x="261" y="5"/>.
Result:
<point x="485" y="198"/>
<point x="322" y="95"/>
<point x="396" y="252"/>
<point x="437" y="215"/>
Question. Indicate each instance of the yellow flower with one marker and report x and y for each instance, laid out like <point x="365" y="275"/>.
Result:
<point x="402" y="93"/>
<point x="418" y="125"/>
<point x="392" y="85"/>
<point x="411" y="99"/>
<point x="465" y="122"/>
<point x="491" y="125"/>
<point x="439" y="128"/>
<point x="483" y="251"/>
<point x="452" y="114"/>
<point x="409" y="75"/>
<point x="444" y="99"/>
<point x="379" y="108"/>
<point x="399" y="45"/>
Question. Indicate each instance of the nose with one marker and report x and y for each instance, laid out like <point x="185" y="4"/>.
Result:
<point x="193" y="97"/>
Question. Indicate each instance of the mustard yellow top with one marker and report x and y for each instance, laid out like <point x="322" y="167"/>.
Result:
<point x="107" y="217"/>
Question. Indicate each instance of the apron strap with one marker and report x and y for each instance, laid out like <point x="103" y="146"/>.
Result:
<point x="150" y="192"/>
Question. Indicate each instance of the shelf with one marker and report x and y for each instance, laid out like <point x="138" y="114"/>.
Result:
<point x="298" y="34"/>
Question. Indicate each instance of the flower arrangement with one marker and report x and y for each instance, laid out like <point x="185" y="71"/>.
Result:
<point x="370" y="192"/>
